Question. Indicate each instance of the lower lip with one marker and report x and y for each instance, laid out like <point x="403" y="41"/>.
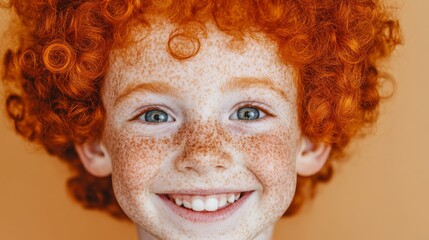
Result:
<point x="206" y="216"/>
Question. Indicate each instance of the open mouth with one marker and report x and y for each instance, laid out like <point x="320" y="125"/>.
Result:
<point x="205" y="208"/>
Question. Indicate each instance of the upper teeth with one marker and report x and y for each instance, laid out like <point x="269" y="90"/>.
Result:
<point x="207" y="203"/>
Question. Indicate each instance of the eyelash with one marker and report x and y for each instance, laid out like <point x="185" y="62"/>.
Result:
<point x="252" y="104"/>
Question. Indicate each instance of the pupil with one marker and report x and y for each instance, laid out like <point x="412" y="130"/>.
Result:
<point x="248" y="114"/>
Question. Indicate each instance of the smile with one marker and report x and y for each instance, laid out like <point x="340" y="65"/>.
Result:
<point x="205" y="203"/>
<point x="205" y="208"/>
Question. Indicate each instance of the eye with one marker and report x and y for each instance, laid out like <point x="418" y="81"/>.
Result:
<point x="247" y="113"/>
<point x="155" y="116"/>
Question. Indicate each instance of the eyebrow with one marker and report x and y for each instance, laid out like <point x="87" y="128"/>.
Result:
<point x="149" y="87"/>
<point x="249" y="82"/>
<point x="164" y="88"/>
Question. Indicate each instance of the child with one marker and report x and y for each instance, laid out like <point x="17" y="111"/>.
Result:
<point x="197" y="119"/>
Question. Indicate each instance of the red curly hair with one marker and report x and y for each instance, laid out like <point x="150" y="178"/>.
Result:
<point x="333" y="46"/>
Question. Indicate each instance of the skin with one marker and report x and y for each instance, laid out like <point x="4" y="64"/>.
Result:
<point x="203" y="145"/>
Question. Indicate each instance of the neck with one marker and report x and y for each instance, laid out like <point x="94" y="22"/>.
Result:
<point x="265" y="235"/>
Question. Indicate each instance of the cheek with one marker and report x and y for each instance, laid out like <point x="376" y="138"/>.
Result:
<point x="271" y="157"/>
<point x="135" y="161"/>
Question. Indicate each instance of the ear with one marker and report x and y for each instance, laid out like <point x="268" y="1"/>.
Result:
<point x="311" y="157"/>
<point x="95" y="158"/>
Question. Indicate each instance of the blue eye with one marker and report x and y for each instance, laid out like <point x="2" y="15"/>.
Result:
<point x="247" y="113"/>
<point x="155" y="116"/>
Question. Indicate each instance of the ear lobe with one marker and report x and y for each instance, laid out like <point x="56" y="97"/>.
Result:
<point x="311" y="157"/>
<point x="95" y="158"/>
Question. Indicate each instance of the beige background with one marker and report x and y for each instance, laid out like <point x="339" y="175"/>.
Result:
<point x="381" y="193"/>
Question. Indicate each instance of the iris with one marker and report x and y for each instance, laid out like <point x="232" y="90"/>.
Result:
<point x="156" y="116"/>
<point x="247" y="113"/>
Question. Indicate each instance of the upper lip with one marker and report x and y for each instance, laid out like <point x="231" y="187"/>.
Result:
<point x="204" y="191"/>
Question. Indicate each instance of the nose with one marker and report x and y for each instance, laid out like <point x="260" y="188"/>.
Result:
<point x="203" y="151"/>
<point x="202" y="163"/>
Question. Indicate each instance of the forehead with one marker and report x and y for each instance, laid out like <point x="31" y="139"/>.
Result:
<point x="219" y="58"/>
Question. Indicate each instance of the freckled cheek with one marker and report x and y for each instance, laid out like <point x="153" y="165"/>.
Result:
<point x="135" y="161"/>
<point x="271" y="157"/>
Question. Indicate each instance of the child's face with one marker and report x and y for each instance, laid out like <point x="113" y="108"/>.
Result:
<point x="177" y="127"/>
